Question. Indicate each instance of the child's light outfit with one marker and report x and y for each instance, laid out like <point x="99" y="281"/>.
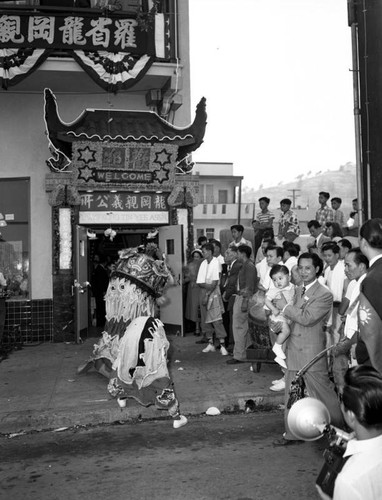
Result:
<point x="276" y="293"/>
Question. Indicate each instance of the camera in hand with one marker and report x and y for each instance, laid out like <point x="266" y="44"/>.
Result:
<point x="309" y="419"/>
<point x="333" y="458"/>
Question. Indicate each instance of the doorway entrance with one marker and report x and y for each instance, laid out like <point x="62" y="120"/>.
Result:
<point x="94" y="246"/>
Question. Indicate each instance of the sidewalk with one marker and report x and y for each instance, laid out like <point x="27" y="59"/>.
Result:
<point x="40" y="388"/>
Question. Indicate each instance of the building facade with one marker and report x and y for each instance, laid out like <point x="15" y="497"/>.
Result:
<point x="220" y="204"/>
<point x="95" y="140"/>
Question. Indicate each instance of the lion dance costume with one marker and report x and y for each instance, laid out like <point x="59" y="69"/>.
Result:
<point x="132" y="352"/>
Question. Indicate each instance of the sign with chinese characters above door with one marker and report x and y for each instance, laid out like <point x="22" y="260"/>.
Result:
<point x="133" y="165"/>
<point x="123" y="208"/>
<point x="83" y="32"/>
<point x="119" y="202"/>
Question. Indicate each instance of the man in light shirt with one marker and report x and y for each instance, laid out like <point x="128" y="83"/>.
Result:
<point x="334" y="277"/>
<point x="356" y="266"/>
<point x="210" y="301"/>
<point x="218" y="252"/>
<point x="237" y="231"/>
<point x="273" y="256"/>
<point x="361" y="475"/>
<point x="290" y="255"/>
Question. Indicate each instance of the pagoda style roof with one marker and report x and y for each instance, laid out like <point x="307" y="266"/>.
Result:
<point x="122" y="126"/>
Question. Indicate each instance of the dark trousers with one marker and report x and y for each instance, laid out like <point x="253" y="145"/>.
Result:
<point x="227" y="322"/>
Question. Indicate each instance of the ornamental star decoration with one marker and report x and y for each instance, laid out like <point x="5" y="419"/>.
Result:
<point x="87" y="155"/>
<point x="162" y="174"/>
<point x="163" y="158"/>
<point x="85" y="173"/>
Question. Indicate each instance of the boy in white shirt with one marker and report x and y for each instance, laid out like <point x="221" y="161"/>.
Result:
<point x="280" y="277"/>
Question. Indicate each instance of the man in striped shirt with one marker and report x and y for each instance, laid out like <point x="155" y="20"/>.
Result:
<point x="263" y="221"/>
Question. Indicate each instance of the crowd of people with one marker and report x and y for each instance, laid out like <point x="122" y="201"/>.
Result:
<point x="315" y="301"/>
<point x="322" y="303"/>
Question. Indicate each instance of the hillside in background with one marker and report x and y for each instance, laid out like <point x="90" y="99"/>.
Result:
<point x="341" y="183"/>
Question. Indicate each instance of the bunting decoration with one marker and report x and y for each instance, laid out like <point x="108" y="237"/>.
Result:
<point x="113" y="71"/>
<point x="17" y="64"/>
<point x="115" y="53"/>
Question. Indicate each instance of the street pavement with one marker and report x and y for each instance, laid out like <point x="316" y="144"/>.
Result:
<point x="225" y="457"/>
<point x="41" y="390"/>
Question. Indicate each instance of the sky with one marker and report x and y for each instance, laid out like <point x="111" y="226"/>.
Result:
<point x="277" y="78"/>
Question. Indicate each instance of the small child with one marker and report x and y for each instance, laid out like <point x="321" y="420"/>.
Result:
<point x="283" y="287"/>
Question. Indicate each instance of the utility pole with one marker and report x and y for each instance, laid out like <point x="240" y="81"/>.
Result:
<point x="294" y="196"/>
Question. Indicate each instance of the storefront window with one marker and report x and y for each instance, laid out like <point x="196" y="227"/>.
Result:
<point x="14" y="237"/>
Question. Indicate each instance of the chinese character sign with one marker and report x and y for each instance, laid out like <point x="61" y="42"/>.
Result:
<point x="123" y="202"/>
<point x="76" y="32"/>
<point x="134" y="165"/>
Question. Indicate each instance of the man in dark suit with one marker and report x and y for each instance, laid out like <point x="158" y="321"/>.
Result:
<point x="308" y="314"/>
<point x="246" y="287"/>
<point x="369" y="346"/>
<point x="229" y="289"/>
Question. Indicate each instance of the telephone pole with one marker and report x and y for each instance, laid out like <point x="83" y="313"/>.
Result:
<point x="294" y="196"/>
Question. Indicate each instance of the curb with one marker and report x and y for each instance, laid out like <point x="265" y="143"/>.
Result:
<point x="29" y="421"/>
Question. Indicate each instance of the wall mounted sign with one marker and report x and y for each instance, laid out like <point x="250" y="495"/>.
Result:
<point x="134" y="164"/>
<point x="151" y="218"/>
<point x="77" y="32"/>
<point x="121" y="202"/>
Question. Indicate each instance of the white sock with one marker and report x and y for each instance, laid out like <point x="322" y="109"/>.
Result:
<point x="278" y="350"/>
<point x="281" y="362"/>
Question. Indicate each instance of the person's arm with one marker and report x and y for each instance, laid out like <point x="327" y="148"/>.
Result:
<point x="251" y="281"/>
<point x="323" y="495"/>
<point x="270" y="306"/>
<point x="209" y="286"/>
<point x="256" y="224"/>
<point x="343" y="307"/>
<point x="314" y="311"/>
<point x="3" y="281"/>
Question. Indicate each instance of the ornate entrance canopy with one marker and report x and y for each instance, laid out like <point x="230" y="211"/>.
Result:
<point x="107" y="149"/>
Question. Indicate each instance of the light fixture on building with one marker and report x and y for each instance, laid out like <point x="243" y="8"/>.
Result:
<point x="3" y="222"/>
<point x="113" y="191"/>
<point x="136" y="191"/>
<point x="89" y="190"/>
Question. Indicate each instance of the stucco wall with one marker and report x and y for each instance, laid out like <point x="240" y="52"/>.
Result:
<point x="23" y="151"/>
